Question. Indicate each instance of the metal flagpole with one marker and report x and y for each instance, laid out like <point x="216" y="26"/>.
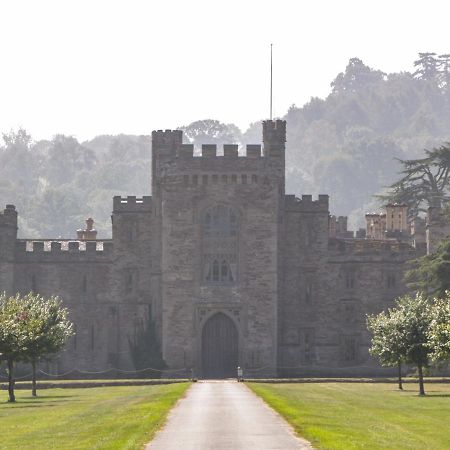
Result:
<point x="271" y="81"/>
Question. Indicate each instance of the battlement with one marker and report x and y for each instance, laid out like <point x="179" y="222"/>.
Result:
<point x="212" y="151"/>
<point x="46" y="248"/>
<point x="8" y="217"/>
<point x="274" y="129"/>
<point x="168" y="146"/>
<point x="213" y="166"/>
<point x="306" y="203"/>
<point x="371" y="248"/>
<point x="132" y="204"/>
<point x="167" y="136"/>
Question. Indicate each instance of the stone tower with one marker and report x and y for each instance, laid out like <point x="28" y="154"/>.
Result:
<point x="217" y="227"/>
<point x="8" y="236"/>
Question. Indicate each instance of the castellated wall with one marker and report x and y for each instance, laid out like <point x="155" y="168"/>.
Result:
<point x="331" y="284"/>
<point x="218" y="239"/>
<point x="106" y="284"/>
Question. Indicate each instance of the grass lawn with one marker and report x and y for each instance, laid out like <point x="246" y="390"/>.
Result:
<point x="363" y="415"/>
<point x="124" y="417"/>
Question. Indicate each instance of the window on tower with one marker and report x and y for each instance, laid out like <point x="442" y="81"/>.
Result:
<point x="219" y="250"/>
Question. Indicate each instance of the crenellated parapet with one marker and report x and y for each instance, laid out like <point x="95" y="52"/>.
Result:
<point x="274" y="138"/>
<point x="370" y="249"/>
<point x="44" y="250"/>
<point x="165" y="143"/>
<point x="172" y="158"/>
<point x="8" y="217"/>
<point x="307" y="204"/>
<point x="132" y="204"/>
<point x="214" y="151"/>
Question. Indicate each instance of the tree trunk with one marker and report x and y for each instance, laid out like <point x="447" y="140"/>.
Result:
<point x="12" y="397"/>
<point x="400" y="383"/>
<point x="33" y="381"/>
<point x="421" y="387"/>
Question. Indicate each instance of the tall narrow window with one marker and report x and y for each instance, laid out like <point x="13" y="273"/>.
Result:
<point x="220" y="232"/>
<point x="130" y="280"/>
<point x="308" y="291"/>
<point x="391" y="282"/>
<point x="75" y="337"/>
<point x="349" y="348"/>
<point x="92" y="337"/>
<point x="349" y="279"/>
<point x="215" y="276"/>
<point x="33" y="283"/>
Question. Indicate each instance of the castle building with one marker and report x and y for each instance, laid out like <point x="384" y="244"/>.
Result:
<point x="232" y="271"/>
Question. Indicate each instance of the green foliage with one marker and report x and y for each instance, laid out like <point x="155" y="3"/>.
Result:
<point x="356" y="76"/>
<point x="424" y="182"/>
<point x="211" y="132"/>
<point x="416" y="316"/>
<point x="49" y="327"/>
<point x="402" y="334"/>
<point x="348" y="139"/>
<point x="146" y="350"/>
<point x="439" y="332"/>
<point x="387" y="337"/>
<point x="431" y="273"/>
<point x="31" y="327"/>
<point x="15" y="328"/>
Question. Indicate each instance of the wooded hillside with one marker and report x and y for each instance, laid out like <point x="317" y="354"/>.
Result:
<point x="343" y="145"/>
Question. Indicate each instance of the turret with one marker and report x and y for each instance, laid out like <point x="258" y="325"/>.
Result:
<point x="274" y="137"/>
<point x="8" y="237"/>
<point x="397" y="217"/>
<point x="165" y="144"/>
<point x="8" y="232"/>
<point x="89" y="233"/>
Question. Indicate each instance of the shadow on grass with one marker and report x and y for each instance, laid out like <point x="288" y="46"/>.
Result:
<point x="51" y="400"/>
<point x="25" y="405"/>
<point x="44" y="397"/>
<point x="432" y="395"/>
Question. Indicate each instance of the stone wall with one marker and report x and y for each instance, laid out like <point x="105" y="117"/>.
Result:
<point x="297" y="297"/>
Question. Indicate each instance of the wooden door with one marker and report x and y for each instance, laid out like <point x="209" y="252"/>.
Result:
<point x="219" y="347"/>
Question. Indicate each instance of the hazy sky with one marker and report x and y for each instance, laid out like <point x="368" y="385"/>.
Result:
<point x="105" y="67"/>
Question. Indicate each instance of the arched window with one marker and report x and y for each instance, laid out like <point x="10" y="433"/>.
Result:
<point x="220" y="244"/>
<point x="220" y="222"/>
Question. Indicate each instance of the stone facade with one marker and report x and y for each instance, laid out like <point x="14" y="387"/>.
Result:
<point x="284" y="288"/>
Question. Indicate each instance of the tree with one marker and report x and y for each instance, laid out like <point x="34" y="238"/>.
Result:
<point x="424" y="182"/>
<point x="31" y="327"/>
<point x="356" y="76"/>
<point x="427" y="66"/>
<point x="439" y="333"/>
<point x="444" y="69"/>
<point x="387" y="340"/>
<point x="211" y="132"/>
<point x="48" y="330"/>
<point x="13" y="335"/>
<point x="65" y="157"/>
<point x="431" y="273"/>
<point x="413" y="316"/>
<point x="145" y="348"/>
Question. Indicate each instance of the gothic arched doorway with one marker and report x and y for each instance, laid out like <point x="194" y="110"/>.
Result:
<point x="219" y="347"/>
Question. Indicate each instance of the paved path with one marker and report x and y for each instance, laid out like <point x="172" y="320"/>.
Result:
<point x="224" y="415"/>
